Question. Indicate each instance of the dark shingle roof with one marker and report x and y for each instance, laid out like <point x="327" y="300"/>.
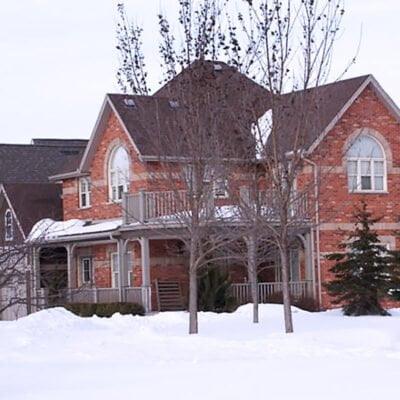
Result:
<point x="32" y="202"/>
<point x="34" y="163"/>
<point x="223" y="99"/>
<point x="311" y="111"/>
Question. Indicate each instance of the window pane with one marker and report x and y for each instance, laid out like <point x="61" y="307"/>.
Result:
<point x="86" y="270"/>
<point x="114" y="262"/>
<point x="83" y="200"/>
<point x="366" y="183"/>
<point x="116" y="279"/>
<point x="352" y="167"/>
<point x="378" y="165"/>
<point x="365" y="146"/>
<point x="365" y="167"/>
<point x="352" y="183"/>
<point x="378" y="182"/>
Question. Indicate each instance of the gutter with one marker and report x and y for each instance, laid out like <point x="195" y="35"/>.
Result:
<point x="63" y="239"/>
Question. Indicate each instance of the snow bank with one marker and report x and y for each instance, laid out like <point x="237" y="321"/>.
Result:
<point x="54" y="354"/>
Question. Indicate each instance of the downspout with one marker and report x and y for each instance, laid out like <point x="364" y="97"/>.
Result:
<point x="317" y="229"/>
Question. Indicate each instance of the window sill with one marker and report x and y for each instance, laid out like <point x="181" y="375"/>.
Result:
<point x="368" y="192"/>
<point x="114" y="201"/>
<point x="85" y="208"/>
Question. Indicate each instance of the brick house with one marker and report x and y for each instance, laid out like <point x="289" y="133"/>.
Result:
<point x="115" y="210"/>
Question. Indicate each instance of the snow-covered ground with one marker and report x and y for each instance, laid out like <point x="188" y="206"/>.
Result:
<point x="55" y="355"/>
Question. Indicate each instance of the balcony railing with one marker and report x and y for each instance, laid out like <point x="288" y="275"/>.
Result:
<point x="268" y="290"/>
<point x="144" y="206"/>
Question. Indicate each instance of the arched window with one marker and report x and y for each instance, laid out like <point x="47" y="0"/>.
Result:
<point x="118" y="173"/>
<point x="8" y="226"/>
<point x="366" y="165"/>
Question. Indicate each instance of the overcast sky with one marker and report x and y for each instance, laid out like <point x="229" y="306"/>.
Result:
<point x="58" y="58"/>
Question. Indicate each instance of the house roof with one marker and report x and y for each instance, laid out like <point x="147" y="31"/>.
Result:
<point x="300" y="117"/>
<point x="236" y="100"/>
<point x="209" y="95"/>
<point x="32" y="202"/>
<point x="34" y="163"/>
<point x="152" y="123"/>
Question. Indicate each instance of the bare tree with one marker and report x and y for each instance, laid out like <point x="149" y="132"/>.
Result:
<point x="196" y="149"/>
<point x="289" y="50"/>
<point x="14" y="277"/>
<point x="285" y="46"/>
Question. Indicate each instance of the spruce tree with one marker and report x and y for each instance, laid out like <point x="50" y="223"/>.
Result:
<point x="366" y="271"/>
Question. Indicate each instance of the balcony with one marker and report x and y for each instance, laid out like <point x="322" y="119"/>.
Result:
<point x="145" y="206"/>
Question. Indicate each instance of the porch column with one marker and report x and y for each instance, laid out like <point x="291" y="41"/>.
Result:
<point x="71" y="270"/>
<point x="145" y="258"/>
<point x="309" y="260"/>
<point x="121" y="268"/>
<point x="36" y="278"/>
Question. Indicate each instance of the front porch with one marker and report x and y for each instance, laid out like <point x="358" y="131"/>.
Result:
<point x="121" y="260"/>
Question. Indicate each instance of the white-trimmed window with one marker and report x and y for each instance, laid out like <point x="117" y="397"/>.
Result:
<point x="8" y="226"/>
<point x="115" y="269"/>
<point x="366" y="166"/>
<point x="118" y="173"/>
<point x="220" y="188"/>
<point x="85" y="192"/>
<point x="86" y="270"/>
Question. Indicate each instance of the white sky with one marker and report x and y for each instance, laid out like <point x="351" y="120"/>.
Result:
<point x="58" y="58"/>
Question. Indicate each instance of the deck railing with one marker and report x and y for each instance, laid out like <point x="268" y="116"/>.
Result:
<point x="144" y="206"/>
<point x="267" y="290"/>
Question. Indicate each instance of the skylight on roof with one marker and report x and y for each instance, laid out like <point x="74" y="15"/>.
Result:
<point x="217" y="67"/>
<point x="174" y="103"/>
<point x="129" y="103"/>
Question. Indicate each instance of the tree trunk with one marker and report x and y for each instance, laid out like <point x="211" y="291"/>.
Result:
<point x="285" y="287"/>
<point x="252" y="273"/>
<point x="193" y="322"/>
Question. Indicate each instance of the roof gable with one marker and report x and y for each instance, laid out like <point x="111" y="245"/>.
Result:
<point x="32" y="202"/>
<point x="354" y="90"/>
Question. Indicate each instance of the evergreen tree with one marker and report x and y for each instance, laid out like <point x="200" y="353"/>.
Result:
<point x="366" y="272"/>
<point x="214" y="292"/>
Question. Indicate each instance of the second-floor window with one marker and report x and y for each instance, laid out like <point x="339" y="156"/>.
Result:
<point x="118" y="173"/>
<point x="220" y="187"/>
<point x="85" y="192"/>
<point x="366" y="166"/>
<point x="8" y="226"/>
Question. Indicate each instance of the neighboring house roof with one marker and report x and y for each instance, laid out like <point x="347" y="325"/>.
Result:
<point x="32" y="202"/>
<point x="34" y="163"/>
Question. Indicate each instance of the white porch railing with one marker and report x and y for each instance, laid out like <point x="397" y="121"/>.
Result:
<point x="266" y="290"/>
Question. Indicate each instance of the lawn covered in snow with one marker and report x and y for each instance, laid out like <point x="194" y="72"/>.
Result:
<point x="55" y="355"/>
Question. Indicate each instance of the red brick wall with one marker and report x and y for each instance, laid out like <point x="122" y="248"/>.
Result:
<point x="336" y="204"/>
<point x="102" y="208"/>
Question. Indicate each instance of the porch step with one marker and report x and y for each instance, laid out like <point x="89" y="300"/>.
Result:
<point x="169" y="296"/>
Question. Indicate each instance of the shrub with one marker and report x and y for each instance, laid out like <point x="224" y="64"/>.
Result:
<point x="104" y="309"/>
<point x="214" y="290"/>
